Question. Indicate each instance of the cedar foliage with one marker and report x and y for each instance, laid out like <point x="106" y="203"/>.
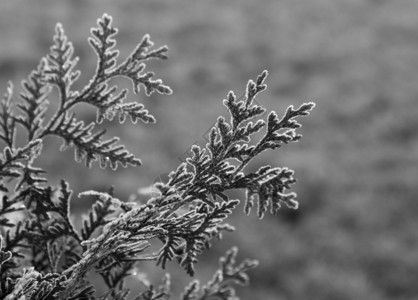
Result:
<point x="43" y="256"/>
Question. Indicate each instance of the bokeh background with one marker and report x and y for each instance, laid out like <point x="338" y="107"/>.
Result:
<point x="355" y="235"/>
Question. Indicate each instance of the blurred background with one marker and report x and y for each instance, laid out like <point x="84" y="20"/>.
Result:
<point x="355" y="234"/>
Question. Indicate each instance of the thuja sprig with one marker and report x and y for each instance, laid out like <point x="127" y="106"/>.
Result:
<point x="220" y="166"/>
<point x="57" y="69"/>
<point x="193" y="205"/>
<point x="98" y="93"/>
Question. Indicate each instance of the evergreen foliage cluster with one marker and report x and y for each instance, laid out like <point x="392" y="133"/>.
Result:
<point x="44" y="256"/>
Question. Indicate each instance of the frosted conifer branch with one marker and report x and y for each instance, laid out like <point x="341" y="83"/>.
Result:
<point x="193" y="204"/>
<point x="58" y="69"/>
<point x="178" y="224"/>
<point x="219" y="167"/>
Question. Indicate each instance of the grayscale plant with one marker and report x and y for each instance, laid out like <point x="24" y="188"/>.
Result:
<point x="43" y="256"/>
